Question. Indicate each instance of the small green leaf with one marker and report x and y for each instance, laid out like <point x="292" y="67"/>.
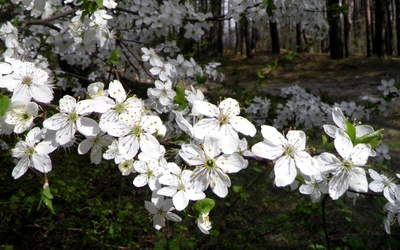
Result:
<point x="47" y="198"/>
<point x="324" y="139"/>
<point x="373" y="139"/>
<point x="180" y="98"/>
<point x="201" y="79"/>
<point x="204" y="206"/>
<point x="237" y="189"/>
<point x="99" y="3"/>
<point x="114" y="57"/>
<point x="4" y="104"/>
<point x="351" y="131"/>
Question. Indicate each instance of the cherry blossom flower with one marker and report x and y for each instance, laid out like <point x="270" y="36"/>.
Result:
<point x="289" y="154"/>
<point x="382" y="183"/>
<point x="131" y="106"/>
<point x="178" y="186"/>
<point x="151" y="56"/>
<point x="340" y="121"/>
<point x="71" y="119"/>
<point x="110" y="4"/>
<point x="137" y="132"/>
<point x="32" y="153"/>
<point x="204" y="223"/>
<point x="211" y="167"/>
<point x="126" y="167"/>
<point x="162" y="70"/>
<point x="162" y="92"/>
<point x="113" y="152"/>
<point x="21" y="115"/>
<point x="27" y="82"/>
<point x="347" y="172"/>
<point x="149" y="169"/>
<point x="222" y="122"/>
<point x="314" y="187"/>
<point x="160" y="210"/>
<point x="95" y="144"/>
<point x="388" y="87"/>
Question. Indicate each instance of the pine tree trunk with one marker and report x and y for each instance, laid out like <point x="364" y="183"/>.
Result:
<point x="389" y="29"/>
<point x="248" y="35"/>
<point x="397" y="4"/>
<point x="275" y="43"/>
<point x="347" y="29"/>
<point x="214" y="47"/>
<point x="368" y="26"/>
<point x="298" y="38"/>
<point x="335" y="30"/>
<point x="380" y="20"/>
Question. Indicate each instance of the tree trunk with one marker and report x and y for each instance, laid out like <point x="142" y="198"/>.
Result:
<point x="356" y="22"/>
<point x="238" y="39"/>
<point x="380" y="20"/>
<point x="275" y="43"/>
<point x="389" y="29"/>
<point x="255" y="36"/>
<point x="368" y="26"/>
<point x="214" y="47"/>
<point x="335" y="30"/>
<point x="248" y="35"/>
<point x="397" y="3"/>
<point x="299" y="44"/>
<point x="347" y="29"/>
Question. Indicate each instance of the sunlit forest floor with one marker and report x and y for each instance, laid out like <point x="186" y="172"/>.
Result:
<point x="98" y="208"/>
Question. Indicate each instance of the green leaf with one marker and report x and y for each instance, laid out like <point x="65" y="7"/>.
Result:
<point x="201" y="79"/>
<point x="204" y="206"/>
<point x="237" y="189"/>
<point x="47" y="198"/>
<point x="180" y="98"/>
<point x="114" y="57"/>
<point x="4" y="104"/>
<point x="351" y="131"/>
<point x="270" y="6"/>
<point x="99" y="3"/>
<point x="373" y="139"/>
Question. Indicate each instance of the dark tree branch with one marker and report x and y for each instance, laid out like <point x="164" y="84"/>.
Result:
<point x="46" y="22"/>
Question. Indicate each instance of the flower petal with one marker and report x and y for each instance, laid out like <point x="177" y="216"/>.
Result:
<point x="285" y="171"/>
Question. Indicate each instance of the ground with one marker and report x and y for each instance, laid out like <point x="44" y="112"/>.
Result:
<point x="342" y="79"/>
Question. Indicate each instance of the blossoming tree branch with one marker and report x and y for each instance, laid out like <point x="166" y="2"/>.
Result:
<point x="107" y="121"/>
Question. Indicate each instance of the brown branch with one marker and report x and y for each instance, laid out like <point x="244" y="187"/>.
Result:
<point x="122" y="44"/>
<point x="46" y="22"/>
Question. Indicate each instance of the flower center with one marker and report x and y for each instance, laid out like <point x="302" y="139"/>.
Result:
<point x="224" y="119"/>
<point x="150" y="173"/>
<point x="289" y="150"/>
<point x="347" y="164"/>
<point x="120" y="108"/>
<point x="30" y="151"/>
<point x="73" y="117"/>
<point x="137" y="130"/>
<point x="27" y="80"/>
<point x="180" y="187"/>
<point x="209" y="163"/>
